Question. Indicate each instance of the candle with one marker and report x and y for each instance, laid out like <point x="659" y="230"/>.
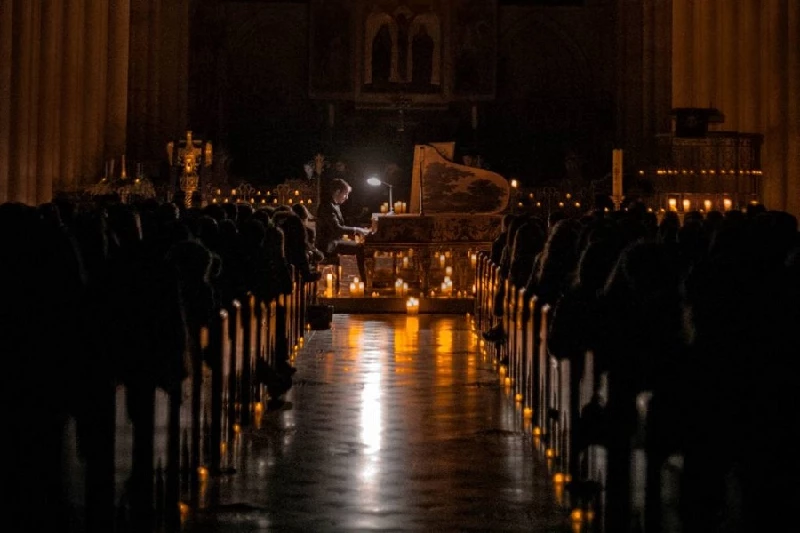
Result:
<point x="672" y="204"/>
<point x="405" y="262"/>
<point x="412" y="306"/>
<point x="616" y="173"/>
<point x="448" y="271"/>
<point x="473" y="259"/>
<point x="707" y="205"/>
<point x="441" y="260"/>
<point x="403" y="207"/>
<point x="687" y="205"/>
<point x="727" y="204"/>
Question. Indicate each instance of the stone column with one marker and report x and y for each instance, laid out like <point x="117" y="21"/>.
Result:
<point x="138" y="82"/>
<point x="20" y="96"/>
<point x="749" y="79"/>
<point x="6" y="19"/>
<point x="774" y="85"/>
<point x="49" y="111"/>
<point x="174" y="73"/>
<point x="72" y="100"/>
<point x="731" y="72"/>
<point x="648" y="75"/>
<point x="703" y="53"/>
<point x="662" y="65"/>
<point x="94" y="92"/>
<point x="117" y="84"/>
<point x="793" y="110"/>
<point x="32" y="173"/>
<point x="682" y="52"/>
<point x="153" y="88"/>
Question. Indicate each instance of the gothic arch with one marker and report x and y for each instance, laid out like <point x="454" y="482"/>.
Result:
<point x="372" y="25"/>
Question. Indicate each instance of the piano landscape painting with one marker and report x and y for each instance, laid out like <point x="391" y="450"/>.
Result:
<point x="452" y="188"/>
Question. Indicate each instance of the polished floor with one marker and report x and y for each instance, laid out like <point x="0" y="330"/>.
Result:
<point x="394" y="423"/>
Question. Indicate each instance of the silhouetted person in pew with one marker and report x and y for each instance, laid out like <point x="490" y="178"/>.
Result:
<point x="296" y="246"/>
<point x="497" y="333"/>
<point x="743" y="315"/>
<point x="641" y="339"/>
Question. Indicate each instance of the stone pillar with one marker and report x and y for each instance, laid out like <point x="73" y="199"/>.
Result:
<point x="703" y="52"/>
<point x="682" y="52"/>
<point x="775" y="94"/>
<point x="749" y="79"/>
<point x="174" y="73"/>
<point x="793" y="110"/>
<point x="630" y="79"/>
<point x="49" y="98"/>
<point x="72" y="101"/>
<point x="153" y="88"/>
<point x="118" y="58"/>
<point x="731" y="67"/>
<point x="138" y="82"/>
<point x="32" y="111"/>
<point x="95" y="91"/>
<point x="648" y="75"/>
<point x="662" y="65"/>
<point x="20" y="94"/>
<point x="6" y="20"/>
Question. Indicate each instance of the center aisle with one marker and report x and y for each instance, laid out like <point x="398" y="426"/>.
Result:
<point x="395" y="423"/>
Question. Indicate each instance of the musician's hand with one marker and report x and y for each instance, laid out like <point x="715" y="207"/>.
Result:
<point x="362" y="231"/>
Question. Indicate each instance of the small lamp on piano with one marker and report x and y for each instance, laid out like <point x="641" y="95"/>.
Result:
<point x="375" y="182"/>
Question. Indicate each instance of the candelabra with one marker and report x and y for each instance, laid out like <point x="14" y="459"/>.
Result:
<point x="191" y="155"/>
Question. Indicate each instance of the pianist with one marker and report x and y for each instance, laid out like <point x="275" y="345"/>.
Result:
<point x="333" y="237"/>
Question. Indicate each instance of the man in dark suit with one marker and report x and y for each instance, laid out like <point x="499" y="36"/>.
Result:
<point x="331" y="229"/>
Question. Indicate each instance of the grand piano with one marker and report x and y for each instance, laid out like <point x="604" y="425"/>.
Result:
<point x="454" y="212"/>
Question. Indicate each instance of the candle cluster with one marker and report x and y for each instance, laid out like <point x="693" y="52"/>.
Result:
<point x="356" y="288"/>
<point x="698" y="201"/>
<point x="397" y="207"/>
<point x="259" y="197"/>
<point x="400" y="287"/>
<point x="412" y="306"/>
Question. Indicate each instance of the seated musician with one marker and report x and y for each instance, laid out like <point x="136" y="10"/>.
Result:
<point x="331" y="229"/>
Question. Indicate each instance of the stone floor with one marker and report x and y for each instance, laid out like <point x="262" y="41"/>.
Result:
<point x="395" y="423"/>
